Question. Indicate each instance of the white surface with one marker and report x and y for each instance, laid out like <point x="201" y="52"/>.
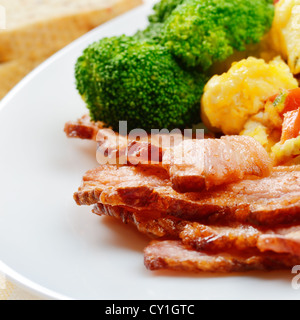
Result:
<point x="58" y="250"/>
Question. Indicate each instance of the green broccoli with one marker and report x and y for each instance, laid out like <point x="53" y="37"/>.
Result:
<point x="201" y="32"/>
<point x="163" y="9"/>
<point x="155" y="78"/>
<point x="152" y="32"/>
<point x="124" y="78"/>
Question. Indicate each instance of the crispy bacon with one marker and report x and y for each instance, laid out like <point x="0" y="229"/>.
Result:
<point x="195" y="165"/>
<point x="114" y="148"/>
<point x="83" y="128"/>
<point x="108" y="177"/>
<point x="240" y="238"/>
<point x="282" y="240"/>
<point x="173" y="255"/>
<point x="204" y="238"/>
<point x="216" y="239"/>
<point x="269" y="201"/>
<point x="228" y="212"/>
<point x="153" y="224"/>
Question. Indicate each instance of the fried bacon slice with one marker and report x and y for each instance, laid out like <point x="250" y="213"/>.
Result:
<point x="132" y="149"/>
<point x="220" y="238"/>
<point x="174" y="255"/>
<point x="137" y="147"/>
<point x="83" y="128"/>
<point x="153" y="224"/>
<point x="282" y="240"/>
<point x="216" y="239"/>
<point x="109" y="177"/>
<point x="204" y="238"/>
<point x="114" y="148"/>
<point x="224" y="209"/>
<point x="271" y="201"/>
<point x="195" y="165"/>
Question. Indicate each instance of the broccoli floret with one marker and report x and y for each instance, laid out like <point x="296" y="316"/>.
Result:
<point x="163" y="9"/>
<point x="155" y="78"/>
<point x="152" y="32"/>
<point x="201" y="32"/>
<point x="124" y="78"/>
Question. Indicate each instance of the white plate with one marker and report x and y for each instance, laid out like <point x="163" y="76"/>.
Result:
<point x="58" y="250"/>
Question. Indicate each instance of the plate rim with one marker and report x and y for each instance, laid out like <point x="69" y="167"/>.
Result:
<point x="32" y="287"/>
<point x="40" y="292"/>
<point x="9" y="273"/>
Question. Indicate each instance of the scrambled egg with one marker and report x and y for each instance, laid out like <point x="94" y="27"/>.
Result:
<point x="239" y="100"/>
<point x="229" y="100"/>
<point x="265" y="135"/>
<point x="285" y="33"/>
<point x="267" y="128"/>
<point x="284" y="152"/>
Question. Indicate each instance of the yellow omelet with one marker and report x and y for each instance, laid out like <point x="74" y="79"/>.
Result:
<point x="267" y="128"/>
<point x="285" y="32"/>
<point x="230" y="99"/>
<point x="283" y="152"/>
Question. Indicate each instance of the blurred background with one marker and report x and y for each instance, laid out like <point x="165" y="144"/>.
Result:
<point x="33" y="30"/>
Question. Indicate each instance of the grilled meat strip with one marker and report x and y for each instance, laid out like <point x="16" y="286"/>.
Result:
<point x="153" y="224"/>
<point x="241" y="238"/>
<point x="174" y="255"/>
<point x="109" y="177"/>
<point x="83" y="128"/>
<point x="193" y="164"/>
<point x="198" y="164"/>
<point x="208" y="239"/>
<point x="271" y="201"/>
<point x="117" y="149"/>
